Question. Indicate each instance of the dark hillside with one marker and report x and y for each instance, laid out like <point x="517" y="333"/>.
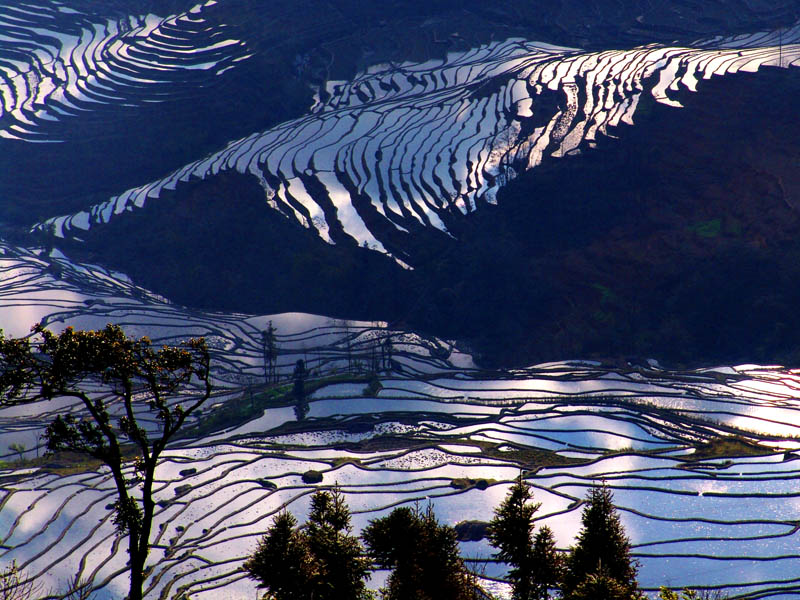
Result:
<point x="113" y="147"/>
<point x="677" y="241"/>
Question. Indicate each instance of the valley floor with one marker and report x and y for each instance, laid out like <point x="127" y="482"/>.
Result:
<point x="702" y="463"/>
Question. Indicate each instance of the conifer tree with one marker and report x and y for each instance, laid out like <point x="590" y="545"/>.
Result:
<point x="270" y="354"/>
<point x="299" y="376"/>
<point x="600" y="585"/>
<point x="283" y="563"/>
<point x="536" y="565"/>
<point x="423" y="554"/>
<point x="387" y="352"/>
<point x="602" y="551"/>
<point x="321" y="561"/>
<point x="547" y="564"/>
<point x="510" y="531"/>
<point x="342" y="565"/>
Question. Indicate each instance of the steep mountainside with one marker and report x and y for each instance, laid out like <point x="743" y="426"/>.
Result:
<point x="535" y="200"/>
<point x="89" y="78"/>
<point x="677" y="240"/>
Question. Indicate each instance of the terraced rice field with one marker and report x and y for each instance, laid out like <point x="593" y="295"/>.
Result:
<point x="702" y="463"/>
<point x="407" y="144"/>
<point x="57" y="63"/>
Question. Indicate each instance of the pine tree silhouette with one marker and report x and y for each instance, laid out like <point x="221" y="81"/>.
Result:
<point x="602" y="551"/>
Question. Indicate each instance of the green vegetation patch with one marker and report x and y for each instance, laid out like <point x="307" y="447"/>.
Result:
<point x="251" y="404"/>
<point x="623" y="450"/>
<point x="373" y="387"/>
<point x="312" y="477"/>
<point x="389" y="442"/>
<point x="71" y="463"/>
<point x="728" y="447"/>
<point x="606" y="294"/>
<point x="345" y="460"/>
<point x="465" y="483"/>
<point x="237" y="411"/>
<point x="471" y="531"/>
<point x="531" y="458"/>
<point x="707" y="229"/>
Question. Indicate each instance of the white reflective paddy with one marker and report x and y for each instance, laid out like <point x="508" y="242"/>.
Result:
<point x="420" y="139"/>
<point x="57" y="63"/>
<point x="457" y="440"/>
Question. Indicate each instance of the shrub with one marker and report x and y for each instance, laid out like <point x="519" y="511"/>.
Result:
<point x="312" y="477"/>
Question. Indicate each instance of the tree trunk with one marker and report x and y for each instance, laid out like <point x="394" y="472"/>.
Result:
<point x="139" y="559"/>
<point x="137" y="566"/>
